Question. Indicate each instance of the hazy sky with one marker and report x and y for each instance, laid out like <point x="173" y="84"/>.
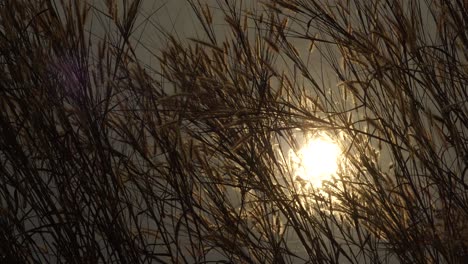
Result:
<point x="154" y="17"/>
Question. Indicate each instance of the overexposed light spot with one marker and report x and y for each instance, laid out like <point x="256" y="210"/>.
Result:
<point x="316" y="161"/>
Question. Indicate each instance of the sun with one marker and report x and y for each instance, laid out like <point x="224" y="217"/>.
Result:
<point x="317" y="160"/>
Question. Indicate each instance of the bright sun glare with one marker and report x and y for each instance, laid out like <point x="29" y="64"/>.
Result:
<point x="317" y="160"/>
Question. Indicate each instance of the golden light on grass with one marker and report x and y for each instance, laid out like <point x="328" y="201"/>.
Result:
<point x="316" y="161"/>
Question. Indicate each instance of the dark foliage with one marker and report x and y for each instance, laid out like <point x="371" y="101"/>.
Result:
<point x="105" y="161"/>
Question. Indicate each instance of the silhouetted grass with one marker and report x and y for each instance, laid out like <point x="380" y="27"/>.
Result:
<point x="103" y="161"/>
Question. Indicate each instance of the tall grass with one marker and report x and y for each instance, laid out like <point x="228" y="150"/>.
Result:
<point x="104" y="161"/>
